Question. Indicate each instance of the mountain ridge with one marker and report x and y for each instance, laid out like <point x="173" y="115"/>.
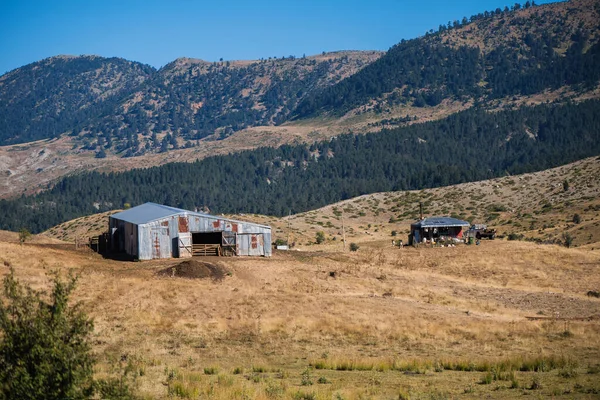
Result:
<point x="191" y="108"/>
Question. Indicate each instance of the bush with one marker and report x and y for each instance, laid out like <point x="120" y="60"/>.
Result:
<point x="280" y="242"/>
<point x="515" y="236"/>
<point x="567" y="239"/>
<point x="576" y="219"/>
<point x="354" y="247"/>
<point x="486" y="379"/>
<point x="45" y="351"/>
<point x="211" y="370"/>
<point x="320" y="237"/>
<point x="305" y="378"/>
<point x="24" y="234"/>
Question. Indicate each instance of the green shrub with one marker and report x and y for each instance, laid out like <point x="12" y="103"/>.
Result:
<point x="211" y="370"/>
<point x="238" y="370"/>
<point x="567" y="239"/>
<point x="515" y="236"/>
<point x="354" y="247"/>
<point x="304" y="396"/>
<point x="45" y="350"/>
<point x="305" y="378"/>
<point x="24" y="234"/>
<point x="320" y="237"/>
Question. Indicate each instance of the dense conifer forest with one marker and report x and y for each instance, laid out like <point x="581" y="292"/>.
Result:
<point x="468" y="146"/>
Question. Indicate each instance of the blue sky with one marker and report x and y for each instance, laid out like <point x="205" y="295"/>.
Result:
<point x="156" y="32"/>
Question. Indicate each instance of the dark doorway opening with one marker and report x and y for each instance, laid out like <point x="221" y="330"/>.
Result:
<point x="206" y="243"/>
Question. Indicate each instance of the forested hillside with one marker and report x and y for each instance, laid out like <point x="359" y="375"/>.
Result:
<point x="192" y="99"/>
<point x="50" y="97"/>
<point x="471" y="145"/>
<point x="113" y="106"/>
<point x="518" y="51"/>
<point x="118" y="106"/>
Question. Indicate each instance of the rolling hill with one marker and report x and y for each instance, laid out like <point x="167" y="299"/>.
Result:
<point x="52" y="97"/>
<point x="123" y="107"/>
<point x="536" y="206"/>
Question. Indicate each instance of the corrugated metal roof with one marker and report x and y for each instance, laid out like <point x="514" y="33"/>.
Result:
<point x="436" y="222"/>
<point x="149" y="212"/>
<point x="146" y="212"/>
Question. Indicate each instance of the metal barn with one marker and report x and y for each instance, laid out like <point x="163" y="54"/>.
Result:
<point x="152" y="231"/>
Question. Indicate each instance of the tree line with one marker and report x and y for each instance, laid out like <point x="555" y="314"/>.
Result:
<point x="468" y="146"/>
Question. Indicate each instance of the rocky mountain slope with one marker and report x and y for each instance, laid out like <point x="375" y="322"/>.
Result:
<point x="493" y="55"/>
<point x="122" y="107"/>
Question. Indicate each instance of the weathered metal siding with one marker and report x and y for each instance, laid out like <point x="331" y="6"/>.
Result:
<point x="130" y="239"/>
<point x="245" y="246"/>
<point x="163" y="238"/>
<point x="156" y="238"/>
<point x="251" y="244"/>
<point x="184" y="244"/>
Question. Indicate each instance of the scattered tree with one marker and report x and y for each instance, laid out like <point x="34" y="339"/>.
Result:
<point x="576" y="219"/>
<point x="354" y="247"/>
<point x="24" y="235"/>
<point x="567" y="239"/>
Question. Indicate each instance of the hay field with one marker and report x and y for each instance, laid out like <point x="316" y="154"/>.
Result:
<point x="379" y="323"/>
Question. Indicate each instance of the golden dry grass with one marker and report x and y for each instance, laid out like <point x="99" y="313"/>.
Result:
<point x="378" y="323"/>
<point x="395" y="316"/>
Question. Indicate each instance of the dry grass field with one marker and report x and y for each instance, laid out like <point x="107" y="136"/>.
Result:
<point x="504" y="319"/>
<point x="379" y="323"/>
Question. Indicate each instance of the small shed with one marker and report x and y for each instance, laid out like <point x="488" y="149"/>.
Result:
<point x="154" y="231"/>
<point x="435" y="228"/>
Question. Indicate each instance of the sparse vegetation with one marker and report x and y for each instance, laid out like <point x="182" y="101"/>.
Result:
<point x="24" y="235"/>
<point x="567" y="239"/>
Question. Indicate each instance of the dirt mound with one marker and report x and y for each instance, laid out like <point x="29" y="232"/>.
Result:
<point x="192" y="269"/>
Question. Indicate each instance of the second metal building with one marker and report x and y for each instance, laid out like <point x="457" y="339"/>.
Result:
<point x="152" y="231"/>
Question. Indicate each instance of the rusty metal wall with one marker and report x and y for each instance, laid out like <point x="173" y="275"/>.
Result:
<point x="161" y="238"/>
<point x="156" y="238"/>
